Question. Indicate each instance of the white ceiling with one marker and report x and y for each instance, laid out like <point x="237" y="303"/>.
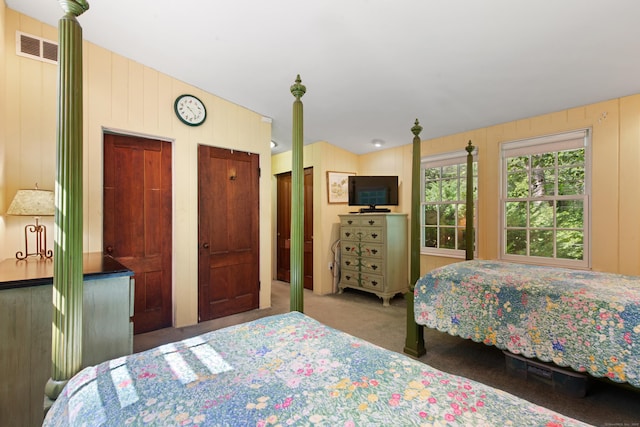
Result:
<point x="371" y="67"/>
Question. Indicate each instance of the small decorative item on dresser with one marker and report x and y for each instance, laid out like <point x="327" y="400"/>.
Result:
<point x="35" y="203"/>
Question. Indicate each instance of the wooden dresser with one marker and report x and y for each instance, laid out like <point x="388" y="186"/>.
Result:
<point x="25" y="328"/>
<point x="374" y="253"/>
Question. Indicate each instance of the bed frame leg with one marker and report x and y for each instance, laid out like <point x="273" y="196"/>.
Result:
<point x="414" y="344"/>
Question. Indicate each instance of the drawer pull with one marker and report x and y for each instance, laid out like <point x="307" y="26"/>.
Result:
<point x="374" y="235"/>
<point x="347" y="262"/>
<point x="347" y="234"/>
<point x="349" y="222"/>
<point x="374" y="251"/>
<point x="371" y="222"/>
<point x="348" y="277"/>
<point x="374" y="283"/>
<point x="374" y="267"/>
<point x="347" y="248"/>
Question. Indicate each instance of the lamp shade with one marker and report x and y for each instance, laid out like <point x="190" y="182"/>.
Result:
<point x="32" y="203"/>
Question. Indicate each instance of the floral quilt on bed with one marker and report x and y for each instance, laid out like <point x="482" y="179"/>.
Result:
<point x="283" y="370"/>
<point x="586" y="320"/>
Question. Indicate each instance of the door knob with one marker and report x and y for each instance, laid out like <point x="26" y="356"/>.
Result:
<point x="109" y="250"/>
<point x="205" y="245"/>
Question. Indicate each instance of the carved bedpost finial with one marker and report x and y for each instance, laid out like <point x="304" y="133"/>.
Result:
<point x="470" y="147"/>
<point x="416" y="129"/>
<point x="298" y="89"/>
<point x="74" y="7"/>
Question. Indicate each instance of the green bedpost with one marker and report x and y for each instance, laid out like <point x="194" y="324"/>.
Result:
<point x="414" y="344"/>
<point x="297" y="201"/>
<point x="66" y="340"/>
<point x="469" y="240"/>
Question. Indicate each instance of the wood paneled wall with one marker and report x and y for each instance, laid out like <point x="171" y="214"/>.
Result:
<point x="125" y="96"/>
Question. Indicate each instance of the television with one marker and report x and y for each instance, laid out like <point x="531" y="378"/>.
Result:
<point x="373" y="191"/>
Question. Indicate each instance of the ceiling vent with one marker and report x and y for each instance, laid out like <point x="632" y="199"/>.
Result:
<point x="35" y="47"/>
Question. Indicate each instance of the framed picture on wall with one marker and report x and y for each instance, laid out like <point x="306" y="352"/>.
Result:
<point x="338" y="186"/>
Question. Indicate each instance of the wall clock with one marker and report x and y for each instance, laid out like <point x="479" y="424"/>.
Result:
<point x="190" y="110"/>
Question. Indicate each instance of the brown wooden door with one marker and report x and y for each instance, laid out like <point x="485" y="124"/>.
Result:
<point x="283" y="271"/>
<point x="228" y="254"/>
<point x="137" y="224"/>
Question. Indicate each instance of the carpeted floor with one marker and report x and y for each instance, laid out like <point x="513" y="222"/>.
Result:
<point x="362" y="314"/>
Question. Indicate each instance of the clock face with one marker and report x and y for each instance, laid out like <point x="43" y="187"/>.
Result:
<point x="190" y="110"/>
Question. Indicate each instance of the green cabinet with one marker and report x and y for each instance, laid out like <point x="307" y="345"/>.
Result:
<point x="25" y="331"/>
<point x="374" y="254"/>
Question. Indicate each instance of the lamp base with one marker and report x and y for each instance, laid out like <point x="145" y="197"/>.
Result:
<point x="40" y="232"/>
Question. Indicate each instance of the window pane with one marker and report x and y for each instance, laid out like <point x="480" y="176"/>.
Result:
<point x="537" y="183"/>
<point x="570" y="214"/>
<point x="517" y="185"/>
<point x="516" y="214"/>
<point x="571" y="181"/>
<point x="543" y="161"/>
<point x="570" y="244"/>
<point x="448" y="237"/>
<point x="549" y="183"/>
<point x="450" y="189"/>
<point x="516" y="242"/>
<point x="450" y="171"/>
<point x="541" y="243"/>
<point x="447" y="215"/>
<point x="541" y="214"/>
<point x="517" y="163"/>
<point x="432" y="184"/>
<point x="430" y="215"/>
<point x="571" y="157"/>
<point x="431" y="237"/>
<point x="432" y="173"/>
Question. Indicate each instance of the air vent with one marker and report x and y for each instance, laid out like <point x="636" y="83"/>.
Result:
<point x="34" y="47"/>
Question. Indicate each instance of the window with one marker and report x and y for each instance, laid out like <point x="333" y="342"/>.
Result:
<point x="444" y="207"/>
<point x="545" y="200"/>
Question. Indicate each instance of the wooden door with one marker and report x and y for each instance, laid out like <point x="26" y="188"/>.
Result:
<point x="283" y="271"/>
<point x="137" y="226"/>
<point x="228" y="229"/>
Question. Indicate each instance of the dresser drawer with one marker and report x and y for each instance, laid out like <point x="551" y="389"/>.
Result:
<point x="372" y="221"/>
<point x="358" y="280"/>
<point x="364" y="265"/>
<point x="350" y="221"/>
<point x="371" y="234"/>
<point x="373" y="281"/>
<point x="365" y="249"/>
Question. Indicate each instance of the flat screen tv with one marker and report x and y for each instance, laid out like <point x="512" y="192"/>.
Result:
<point x="373" y="191"/>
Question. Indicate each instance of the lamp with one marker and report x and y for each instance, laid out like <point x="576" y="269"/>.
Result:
<point x="34" y="203"/>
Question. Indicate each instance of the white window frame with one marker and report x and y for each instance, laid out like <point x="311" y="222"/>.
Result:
<point x="438" y="160"/>
<point x="545" y="144"/>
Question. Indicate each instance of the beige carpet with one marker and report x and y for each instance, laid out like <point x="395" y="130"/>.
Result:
<point x="362" y="314"/>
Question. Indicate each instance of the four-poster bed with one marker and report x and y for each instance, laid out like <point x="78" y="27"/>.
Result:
<point x="588" y="321"/>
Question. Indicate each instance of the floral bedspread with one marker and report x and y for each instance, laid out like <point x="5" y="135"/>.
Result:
<point x="283" y="370"/>
<point x="586" y="320"/>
